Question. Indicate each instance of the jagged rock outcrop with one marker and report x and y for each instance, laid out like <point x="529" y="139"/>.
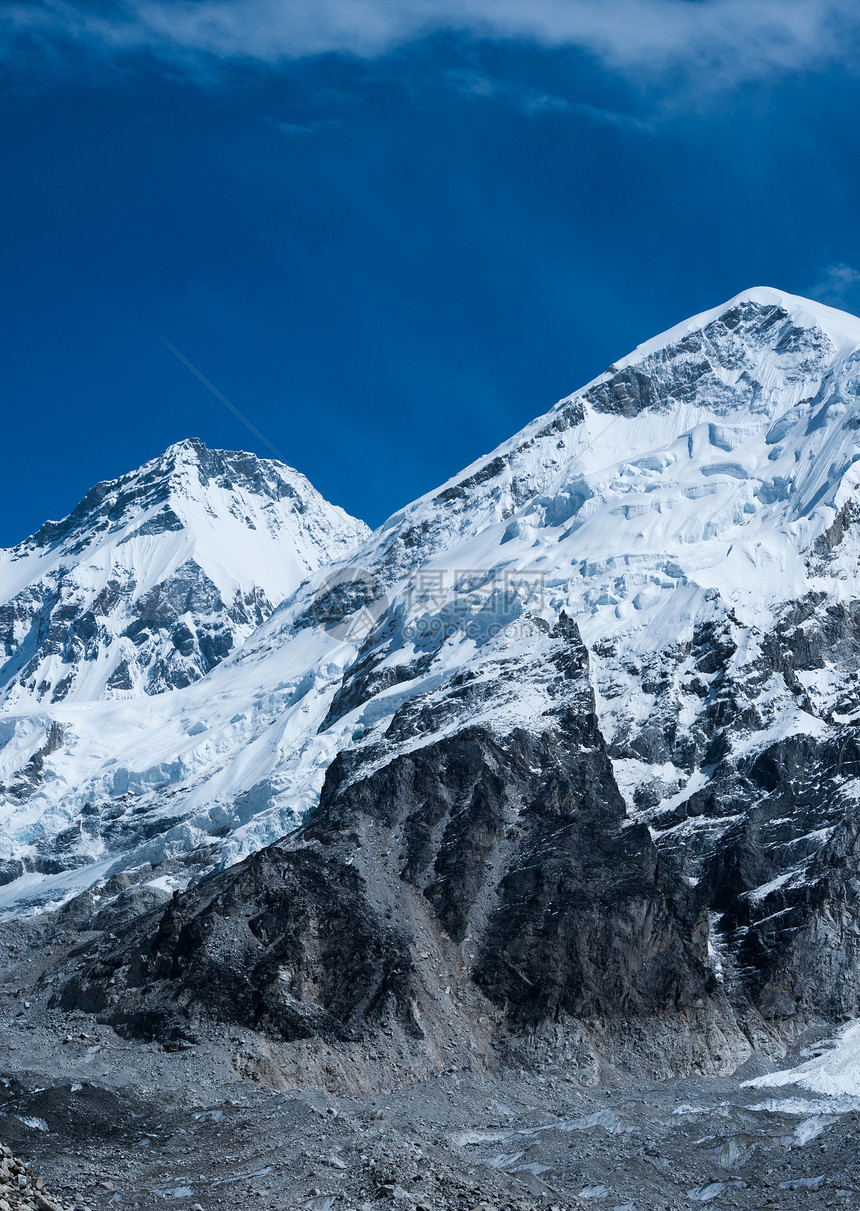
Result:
<point x="507" y="857"/>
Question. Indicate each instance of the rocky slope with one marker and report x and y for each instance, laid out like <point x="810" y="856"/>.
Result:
<point x="502" y="859"/>
<point x="111" y="1121"/>
<point x="20" y="1188"/>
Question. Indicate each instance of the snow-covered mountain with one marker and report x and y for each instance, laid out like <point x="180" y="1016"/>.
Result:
<point x="158" y="575"/>
<point x="143" y="589"/>
<point x="595" y="701"/>
<point x="690" y="515"/>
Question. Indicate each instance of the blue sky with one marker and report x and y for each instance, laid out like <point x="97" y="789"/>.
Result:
<point x="389" y="231"/>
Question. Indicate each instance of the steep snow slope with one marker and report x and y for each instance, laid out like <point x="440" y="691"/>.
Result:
<point x="832" y="1067"/>
<point x="705" y="480"/>
<point x="691" y="510"/>
<point x="156" y="576"/>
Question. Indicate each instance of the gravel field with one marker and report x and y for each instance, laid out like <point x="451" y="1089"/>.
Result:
<point x="111" y="1123"/>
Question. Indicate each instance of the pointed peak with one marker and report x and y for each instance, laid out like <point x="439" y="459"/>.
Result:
<point x="188" y="446"/>
<point x="841" y="328"/>
<point x="186" y="472"/>
<point x="191" y="451"/>
<point x="804" y="312"/>
<point x="208" y="462"/>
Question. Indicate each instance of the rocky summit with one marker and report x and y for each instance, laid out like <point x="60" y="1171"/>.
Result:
<point x="154" y="577"/>
<point x="552" y="778"/>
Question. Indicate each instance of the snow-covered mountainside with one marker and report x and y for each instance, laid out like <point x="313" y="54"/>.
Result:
<point x="156" y="576"/>
<point x="662" y="572"/>
<point x="144" y="588"/>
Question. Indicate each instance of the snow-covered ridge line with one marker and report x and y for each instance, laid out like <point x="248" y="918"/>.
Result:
<point x="840" y="326"/>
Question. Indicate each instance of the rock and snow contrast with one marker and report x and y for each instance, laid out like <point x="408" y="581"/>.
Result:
<point x="691" y="511"/>
<point x="155" y="577"/>
<point x="558" y="767"/>
<point x="660" y="573"/>
<point x="143" y="589"/>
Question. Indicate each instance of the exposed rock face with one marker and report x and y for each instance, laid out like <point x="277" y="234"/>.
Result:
<point x="286" y="943"/>
<point x="506" y="858"/>
<point x="697" y="365"/>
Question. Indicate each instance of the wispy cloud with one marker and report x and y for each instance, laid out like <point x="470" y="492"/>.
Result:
<point x="598" y="116"/>
<point x="723" y="40"/>
<point x="302" y="130"/>
<point x="838" y="285"/>
<point x="531" y="101"/>
<point x="481" y="87"/>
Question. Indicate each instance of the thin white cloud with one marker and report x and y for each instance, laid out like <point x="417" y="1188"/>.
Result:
<point x="479" y="87"/>
<point x="838" y="284"/>
<point x="611" y="117"/>
<point x="725" y="40"/>
<point x="473" y="84"/>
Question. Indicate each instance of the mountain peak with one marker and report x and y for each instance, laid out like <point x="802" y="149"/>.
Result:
<point x="157" y="575"/>
<point x="840" y="327"/>
<point x="187" y="467"/>
<point x="189" y="449"/>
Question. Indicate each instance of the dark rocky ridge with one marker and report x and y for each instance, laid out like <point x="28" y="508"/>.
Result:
<point x="503" y="864"/>
<point x="770" y="838"/>
<point x="685" y="371"/>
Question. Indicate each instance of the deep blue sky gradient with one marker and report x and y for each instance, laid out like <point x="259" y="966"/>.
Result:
<point x="388" y="265"/>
